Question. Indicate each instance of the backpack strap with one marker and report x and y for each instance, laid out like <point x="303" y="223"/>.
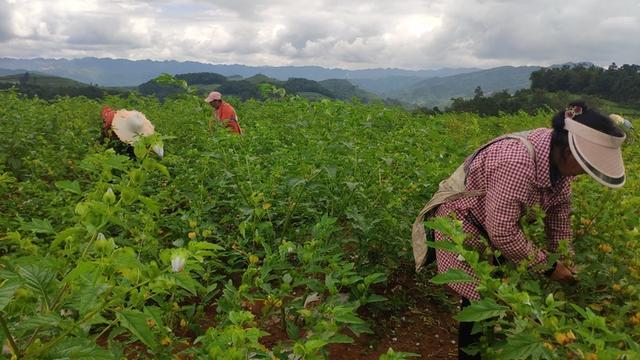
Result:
<point x="521" y="136"/>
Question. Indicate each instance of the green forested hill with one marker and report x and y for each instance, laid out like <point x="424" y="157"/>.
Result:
<point x="37" y="79"/>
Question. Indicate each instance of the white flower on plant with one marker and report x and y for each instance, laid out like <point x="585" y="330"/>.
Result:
<point x="158" y="149"/>
<point x="109" y="197"/>
<point x="178" y="259"/>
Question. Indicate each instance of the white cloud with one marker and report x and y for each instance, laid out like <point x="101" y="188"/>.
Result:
<point x="415" y="34"/>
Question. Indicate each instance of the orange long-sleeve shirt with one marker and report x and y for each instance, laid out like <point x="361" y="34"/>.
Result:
<point x="227" y="115"/>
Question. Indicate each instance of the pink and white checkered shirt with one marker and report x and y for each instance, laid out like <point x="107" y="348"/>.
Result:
<point x="513" y="183"/>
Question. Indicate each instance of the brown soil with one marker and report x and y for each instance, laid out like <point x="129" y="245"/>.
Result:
<point x="418" y="324"/>
<point x="421" y="326"/>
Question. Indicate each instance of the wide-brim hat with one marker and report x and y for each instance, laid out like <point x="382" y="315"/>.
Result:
<point x="599" y="154"/>
<point x="129" y="124"/>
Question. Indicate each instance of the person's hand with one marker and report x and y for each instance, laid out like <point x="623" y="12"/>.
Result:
<point x="562" y="273"/>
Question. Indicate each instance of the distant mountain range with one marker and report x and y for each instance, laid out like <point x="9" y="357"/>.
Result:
<point x="439" y="90"/>
<point x="122" y="72"/>
<point x="419" y="87"/>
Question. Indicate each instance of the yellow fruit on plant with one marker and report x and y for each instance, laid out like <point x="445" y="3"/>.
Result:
<point x="192" y="235"/>
<point x="591" y="356"/>
<point x="565" y="338"/>
<point x="616" y="287"/>
<point x="165" y="341"/>
<point x="561" y="338"/>
<point x="183" y="323"/>
<point x="193" y="223"/>
<point x="605" y="248"/>
<point x="549" y="346"/>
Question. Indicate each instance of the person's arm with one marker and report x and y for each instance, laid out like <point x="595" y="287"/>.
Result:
<point x="233" y="116"/>
<point x="509" y="183"/>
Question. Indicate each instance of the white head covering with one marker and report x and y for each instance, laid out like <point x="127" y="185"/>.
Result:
<point x="128" y="124"/>
<point x="599" y="154"/>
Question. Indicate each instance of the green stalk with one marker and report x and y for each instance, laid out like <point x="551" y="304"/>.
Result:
<point x="7" y="333"/>
<point x="62" y="336"/>
<point x="89" y="245"/>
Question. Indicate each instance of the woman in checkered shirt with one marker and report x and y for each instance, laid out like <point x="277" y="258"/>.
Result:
<point x="511" y="180"/>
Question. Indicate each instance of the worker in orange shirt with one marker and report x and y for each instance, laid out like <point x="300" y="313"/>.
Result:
<point x="223" y="112"/>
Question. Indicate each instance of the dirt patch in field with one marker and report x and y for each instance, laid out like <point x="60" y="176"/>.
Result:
<point x="414" y="322"/>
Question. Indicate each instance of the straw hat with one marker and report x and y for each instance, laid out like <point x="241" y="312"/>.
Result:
<point x="599" y="154"/>
<point x="128" y="124"/>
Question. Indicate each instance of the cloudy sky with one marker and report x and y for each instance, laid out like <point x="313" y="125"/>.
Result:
<point x="349" y="34"/>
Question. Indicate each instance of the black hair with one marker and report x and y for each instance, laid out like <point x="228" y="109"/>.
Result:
<point x="589" y="117"/>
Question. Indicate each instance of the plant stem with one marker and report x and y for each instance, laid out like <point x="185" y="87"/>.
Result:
<point x="7" y="333"/>
<point x="89" y="245"/>
<point x="62" y="336"/>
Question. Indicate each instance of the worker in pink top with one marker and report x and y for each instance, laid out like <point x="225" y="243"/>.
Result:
<point x="223" y="112"/>
<point x="514" y="173"/>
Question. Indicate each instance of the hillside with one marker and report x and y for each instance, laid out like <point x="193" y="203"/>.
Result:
<point x="345" y="90"/>
<point x="121" y="72"/>
<point x="48" y="87"/>
<point x="5" y="72"/>
<point x="250" y="87"/>
<point x="38" y="79"/>
<point x="439" y="91"/>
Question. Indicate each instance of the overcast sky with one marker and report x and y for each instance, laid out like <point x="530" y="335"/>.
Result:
<point x="346" y="34"/>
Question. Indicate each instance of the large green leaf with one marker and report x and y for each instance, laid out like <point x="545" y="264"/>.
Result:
<point x="185" y="281"/>
<point x="151" y="204"/>
<point x="71" y="186"/>
<point x="452" y="276"/>
<point x="79" y="349"/>
<point x="7" y="289"/>
<point x="444" y="245"/>
<point x="155" y="313"/>
<point x="87" y="290"/>
<point x="522" y="346"/>
<point x="37" y="278"/>
<point x="136" y="322"/>
<point x="51" y="320"/>
<point x="481" y="310"/>
<point x="39" y="226"/>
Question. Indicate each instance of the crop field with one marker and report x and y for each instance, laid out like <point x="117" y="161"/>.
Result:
<point x="288" y="242"/>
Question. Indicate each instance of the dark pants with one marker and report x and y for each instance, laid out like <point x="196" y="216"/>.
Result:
<point x="464" y="336"/>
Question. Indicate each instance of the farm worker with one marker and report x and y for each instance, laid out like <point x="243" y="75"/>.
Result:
<point x="223" y="112"/>
<point x="492" y="189"/>
<point x="124" y="127"/>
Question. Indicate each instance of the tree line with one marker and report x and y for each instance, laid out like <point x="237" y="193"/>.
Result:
<point x="251" y="88"/>
<point x="616" y="83"/>
<point x="552" y="88"/>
